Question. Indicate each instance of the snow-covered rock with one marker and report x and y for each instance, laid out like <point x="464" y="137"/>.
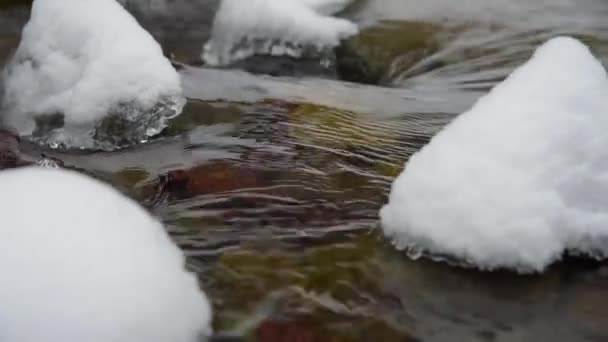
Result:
<point x="520" y="178"/>
<point x="81" y="262"/>
<point x="275" y="27"/>
<point x="89" y="60"/>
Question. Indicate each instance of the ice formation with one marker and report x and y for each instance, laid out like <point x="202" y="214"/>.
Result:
<point x="81" y="262"/>
<point x="520" y="178"/>
<point x="90" y="61"/>
<point x="276" y="27"/>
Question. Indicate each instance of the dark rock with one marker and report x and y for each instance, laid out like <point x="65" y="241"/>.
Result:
<point x="180" y="26"/>
<point x="14" y="3"/>
<point x="322" y="66"/>
<point x="9" y="150"/>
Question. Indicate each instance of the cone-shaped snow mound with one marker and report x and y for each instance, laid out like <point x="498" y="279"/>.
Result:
<point x="87" y="75"/>
<point x="81" y="262"/>
<point x="520" y="178"/>
<point x="275" y="27"/>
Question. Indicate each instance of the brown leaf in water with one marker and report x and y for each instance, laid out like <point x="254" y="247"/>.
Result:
<point x="277" y="331"/>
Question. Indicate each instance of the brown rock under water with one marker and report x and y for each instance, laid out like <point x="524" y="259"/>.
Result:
<point x="211" y="178"/>
<point x="277" y="331"/>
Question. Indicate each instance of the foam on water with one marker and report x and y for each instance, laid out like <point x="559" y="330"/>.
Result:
<point x="81" y="262"/>
<point x="520" y="178"/>
<point x="86" y="60"/>
<point x="275" y="27"/>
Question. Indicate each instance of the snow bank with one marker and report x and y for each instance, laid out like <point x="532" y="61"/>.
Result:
<point x="81" y="262"/>
<point x="89" y="60"/>
<point x="276" y="27"/>
<point x="520" y="178"/>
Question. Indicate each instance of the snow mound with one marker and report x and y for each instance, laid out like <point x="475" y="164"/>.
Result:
<point x="87" y="75"/>
<point x="520" y="178"/>
<point x="275" y="27"/>
<point x="81" y="262"/>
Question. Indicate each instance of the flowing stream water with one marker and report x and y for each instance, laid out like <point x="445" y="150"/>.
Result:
<point x="272" y="184"/>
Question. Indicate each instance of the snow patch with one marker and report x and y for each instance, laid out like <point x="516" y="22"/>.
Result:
<point x="81" y="62"/>
<point x="520" y="178"/>
<point x="275" y="27"/>
<point x="81" y="262"/>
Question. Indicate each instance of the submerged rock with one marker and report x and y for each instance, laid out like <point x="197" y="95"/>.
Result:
<point x="371" y="56"/>
<point x="214" y="177"/>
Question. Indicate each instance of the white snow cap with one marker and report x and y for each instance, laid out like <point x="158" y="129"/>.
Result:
<point x="520" y="178"/>
<point x="275" y="27"/>
<point x="87" y="59"/>
<point x="81" y="262"/>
